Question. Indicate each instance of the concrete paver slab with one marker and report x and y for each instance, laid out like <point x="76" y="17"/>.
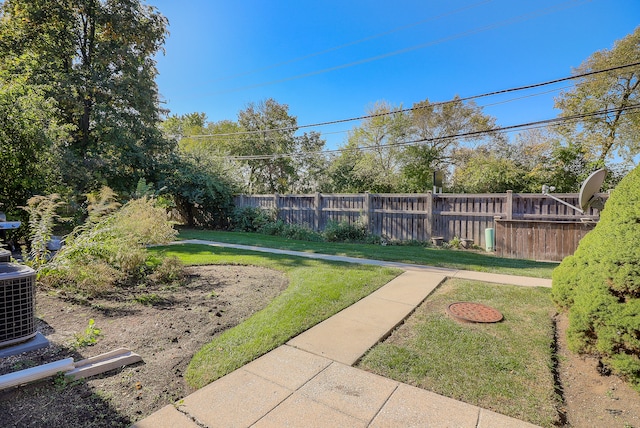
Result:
<point x="352" y="391"/>
<point x="379" y="313"/>
<point x="288" y="366"/>
<point x="339" y="339"/>
<point x="236" y="400"/>
<point x="410" y="288"/>
<point x="413" y="407"/>
<point x="167" y="417"/>
<point x="489" y="419"/>
<point x="498" y="278"/>
<point x="346" y="336"/>
<point x="303" y="412"/>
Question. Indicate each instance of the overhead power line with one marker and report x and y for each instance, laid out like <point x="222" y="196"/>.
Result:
<point x="635" y="108"/>
<point x="520" y="18"/>
<point x="459" y="100"/>
<point x="353" y="43"/>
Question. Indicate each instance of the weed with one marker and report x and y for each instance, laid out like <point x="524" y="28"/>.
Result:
<point x="150" y="299"/>
<point x="88" y="337"/>
<point x="23" y="364"/>
<point x="60" y="381"/>
<point x="455" y="242"/>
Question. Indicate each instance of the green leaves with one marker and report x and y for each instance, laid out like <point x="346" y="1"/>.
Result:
<point x="614" y="133"/>
<point x="600" y="284"/>
<point x="96" y="60"/>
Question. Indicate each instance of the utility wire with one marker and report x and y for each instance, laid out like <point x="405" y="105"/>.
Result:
<point x="459" y="100"/>
<point x="235" y="136"/>
<point x="509" y="21"/>
<point x="504" y="129"/>
<point x="352" y="43"/>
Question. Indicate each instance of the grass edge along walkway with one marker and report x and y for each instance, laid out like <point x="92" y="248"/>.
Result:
<point x="317" y="290"/>
<point x="412" y="254"/>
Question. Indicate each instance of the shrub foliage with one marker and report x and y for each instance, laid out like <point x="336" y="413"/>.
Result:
<point x="108" y="249"/>
<point x="600" y="285"/>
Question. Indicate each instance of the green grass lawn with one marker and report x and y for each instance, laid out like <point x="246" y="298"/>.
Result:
<point x="505" y="367"/>
<point x="317" y="290"/>
<point x="456" y="259"/>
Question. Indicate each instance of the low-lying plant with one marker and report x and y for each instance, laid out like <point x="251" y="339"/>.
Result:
<point x="88" y="337"/>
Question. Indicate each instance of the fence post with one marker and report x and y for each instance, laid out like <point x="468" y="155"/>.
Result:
<point x="366" y="212"/>
<point x="429" y="221"/>
<point x="318" y="212"/>
<point x="509" y="207"/>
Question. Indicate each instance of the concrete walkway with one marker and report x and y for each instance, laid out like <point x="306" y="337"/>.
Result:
<point x="310" y="381"/>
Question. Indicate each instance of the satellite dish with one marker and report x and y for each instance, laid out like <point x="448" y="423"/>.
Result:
<point x="589" y="188"/>
<point x="586" y="198"/>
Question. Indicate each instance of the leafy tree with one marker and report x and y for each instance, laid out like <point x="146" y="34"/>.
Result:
<point x="484" y="171"/>
<point x="343" y="177"/>
<point x="184" y="126"/>
<point x="310" y="166"/>
<point x="97" y="57"/>
<point x="29" y="134"/>
<point x="437" y="125"/>
<point x="618" y="90"/>
<point x="534" y="158"/>
<point x="202" y="192"/>
<point x="371" y="159"/>
<point x="269" y="130"/>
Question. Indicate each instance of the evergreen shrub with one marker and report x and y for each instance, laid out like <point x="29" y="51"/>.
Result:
<point x="599" y="285"/>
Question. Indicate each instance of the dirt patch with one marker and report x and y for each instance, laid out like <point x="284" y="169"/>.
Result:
<point x="165" y="326"/>
<point x="593" y="399"/>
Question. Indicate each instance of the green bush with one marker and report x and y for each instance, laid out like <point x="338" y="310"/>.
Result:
<point x="251" y="219"/>
<point x="345" y="232"/>
<point x="600" y="285"/>
<point x="290" y="231"/>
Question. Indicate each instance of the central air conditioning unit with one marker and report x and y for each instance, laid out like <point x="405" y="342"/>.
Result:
<point x="17" y="303"/>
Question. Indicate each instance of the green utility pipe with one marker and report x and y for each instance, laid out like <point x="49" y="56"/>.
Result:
<point x="489" y="238"/>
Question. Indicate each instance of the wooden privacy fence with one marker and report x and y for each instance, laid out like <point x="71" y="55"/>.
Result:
<point x="513" y="216"/>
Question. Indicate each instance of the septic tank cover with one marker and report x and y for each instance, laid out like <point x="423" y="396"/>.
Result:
<point x="474" y="312"/>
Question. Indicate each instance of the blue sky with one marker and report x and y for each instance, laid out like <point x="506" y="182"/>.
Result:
<point x="331" y="60"/>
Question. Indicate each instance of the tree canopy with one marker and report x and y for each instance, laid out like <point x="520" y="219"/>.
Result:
<point x="95" y="59"/>
<point x="617" y="92"/>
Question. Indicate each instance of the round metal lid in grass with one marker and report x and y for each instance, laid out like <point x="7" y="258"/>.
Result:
<point x="474" y="312"/>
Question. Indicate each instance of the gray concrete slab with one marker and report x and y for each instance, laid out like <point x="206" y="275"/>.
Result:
<point x="498" y="278"/>
<point x="238" y="399"/>
<point x="379" y="313"/>
<point x="489" y="419"/>
<point x="36" y="342"/>
<point x="349" y="334"/>
<point x="288" y="366"/>
<point x="300" y="411"/>
<point x="409" y="406"/>
<point x="167" y="417"/>
<point x="411" y="288"/>
<point x="339" y="339"/>
<point x="349" y="390"/>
